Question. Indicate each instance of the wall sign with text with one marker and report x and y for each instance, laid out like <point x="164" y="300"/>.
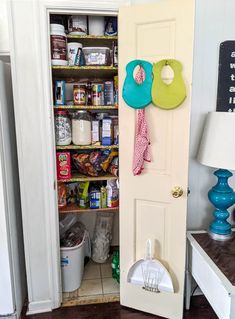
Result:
<point x="226" y="78"/>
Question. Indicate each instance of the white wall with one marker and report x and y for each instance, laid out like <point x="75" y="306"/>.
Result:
<point x="4" y="36"/>
<point x="215" y="23"/>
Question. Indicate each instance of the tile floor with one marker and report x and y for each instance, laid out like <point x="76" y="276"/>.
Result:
<point x="97" y="286"/>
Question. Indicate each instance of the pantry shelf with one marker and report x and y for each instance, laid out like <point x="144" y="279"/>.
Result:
<point x="83" y="178"/>
<point x="84" y="71"/>
<point x="86" y="107"/>
<point x="87" y="40"/>
<point x="92" y="37"/>
<point x="85" y="147"/>
<point x="73" y="208"/>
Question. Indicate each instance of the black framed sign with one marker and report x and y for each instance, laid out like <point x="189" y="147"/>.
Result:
<point x="226" y="78"/>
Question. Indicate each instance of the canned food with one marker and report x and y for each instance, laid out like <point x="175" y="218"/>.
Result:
<point x="97" y="94"/>
<point x="79" y="95"/>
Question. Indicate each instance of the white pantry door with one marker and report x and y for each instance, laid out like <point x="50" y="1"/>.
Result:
<point x="147" y="207"/>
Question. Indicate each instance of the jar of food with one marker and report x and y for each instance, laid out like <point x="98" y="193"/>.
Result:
<point x="98" y="94"/>
<point x="81" y="128"/>
<point x="63" y="133"/>
<point x="79" y="94"/>
<point x="58" y="45"/>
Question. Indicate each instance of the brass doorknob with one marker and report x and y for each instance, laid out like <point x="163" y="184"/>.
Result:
<point x="177" y="191"/>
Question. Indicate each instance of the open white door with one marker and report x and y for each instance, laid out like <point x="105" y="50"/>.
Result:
<point x="147" y="207"/>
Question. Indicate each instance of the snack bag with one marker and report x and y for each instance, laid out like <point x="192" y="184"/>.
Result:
<point x="83" y="195"/>
<point x="61" y="195"/>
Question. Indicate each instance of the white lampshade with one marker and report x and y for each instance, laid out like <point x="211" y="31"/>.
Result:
<point x="217" y="148"/>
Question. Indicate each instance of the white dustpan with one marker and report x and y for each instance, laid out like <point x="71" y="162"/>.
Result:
<point x="150" y="273"/>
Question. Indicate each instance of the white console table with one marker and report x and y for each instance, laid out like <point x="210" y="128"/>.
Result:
<point x="212" y="264"/>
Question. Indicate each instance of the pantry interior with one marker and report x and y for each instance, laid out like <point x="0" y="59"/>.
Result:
<point x="84" y="87"/>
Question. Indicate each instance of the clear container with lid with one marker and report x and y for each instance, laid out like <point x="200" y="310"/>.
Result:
<point x="63" y="134"/>
<point x="81" y="128"/>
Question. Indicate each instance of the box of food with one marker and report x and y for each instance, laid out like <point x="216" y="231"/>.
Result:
<point x="107" y="133"/>
<point x="95" y="132"/>
<point x="63" y="164"/>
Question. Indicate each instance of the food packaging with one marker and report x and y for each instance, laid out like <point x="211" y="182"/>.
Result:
<point x="77" y="25"/>
<point x="112" y="194"/>
<point x="95" y="199"/>
<point x="73" y="53"/>
<point x="108" y="93"/>
<point x="59" y="92"/>
<point x="97" y="92"/>
<point x="83" y="194"/>
<point x="63" y="165"/>
<point x="58" y="44"/>
<point x="95" y="132"/>
<point x="96" y="25"/>
<point x="97" y="55"/>
<point x="102" y="237"/>
<point x="72" y="193"/>
<point x="110" y="26"/>
<point x="62" y="202"/>
<point x="107" y="131"/>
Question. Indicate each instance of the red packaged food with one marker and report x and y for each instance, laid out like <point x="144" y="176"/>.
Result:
<point x="63" y="165"/>
<point x="61" y="195"/>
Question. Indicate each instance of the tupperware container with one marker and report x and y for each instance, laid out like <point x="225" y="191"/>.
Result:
<point x="97" y="55"/>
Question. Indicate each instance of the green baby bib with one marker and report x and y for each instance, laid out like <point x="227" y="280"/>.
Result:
<point x="168" y="96"/>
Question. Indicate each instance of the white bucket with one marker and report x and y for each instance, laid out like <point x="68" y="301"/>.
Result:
<point x="78" y="25"/>
<point x="72" y="266"/>
<point x="96" y="25"/>
<point x="72" y="51"/>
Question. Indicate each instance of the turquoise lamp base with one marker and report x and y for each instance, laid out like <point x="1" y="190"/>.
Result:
<point x="222" y="197"/>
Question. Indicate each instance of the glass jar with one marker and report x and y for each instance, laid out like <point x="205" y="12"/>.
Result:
<point x="81" y="128"/>
<point x="79" y="95"/>
<point x="63" y="134"/>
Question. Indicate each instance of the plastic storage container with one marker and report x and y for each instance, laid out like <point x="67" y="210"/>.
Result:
<point x="73" y="52"/>
<point x="97" y="55"/>
<point x="81" y="128"/>
<point x="72" y="265"/>
<point x="58" y="45"/>
<point x="96" y="25"/>
<point x="75" y="245"/>
<point x="78" y="25"/>
<point x="63" y="134"/>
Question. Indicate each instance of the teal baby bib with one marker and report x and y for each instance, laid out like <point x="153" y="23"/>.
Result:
<point x="137" y="95"/>
<point x="168" y="96"/>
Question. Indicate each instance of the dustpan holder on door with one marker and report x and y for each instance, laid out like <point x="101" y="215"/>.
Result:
<point x="150" y="274"/>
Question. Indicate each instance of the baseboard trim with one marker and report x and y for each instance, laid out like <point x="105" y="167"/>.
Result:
<point x="35" y="307"/>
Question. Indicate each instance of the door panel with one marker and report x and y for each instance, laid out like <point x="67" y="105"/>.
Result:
<point x="147" y="208"/>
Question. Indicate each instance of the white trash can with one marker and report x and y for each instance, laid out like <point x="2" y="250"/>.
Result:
<point x="72" y="265"/>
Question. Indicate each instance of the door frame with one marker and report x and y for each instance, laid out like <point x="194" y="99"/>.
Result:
<point x="44" y="283"/>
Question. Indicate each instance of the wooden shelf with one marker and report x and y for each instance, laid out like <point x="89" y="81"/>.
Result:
<point x="86" y="107"/>
<point x="85" y="147"/>
<point x="93" y="40"/>
<point x="84" y="71"/>
<point x="73" y="208"/>
<point x="84" y="178"/>
<point x="92" y="37"/>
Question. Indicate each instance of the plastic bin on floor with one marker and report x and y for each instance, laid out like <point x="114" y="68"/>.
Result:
<point x="72" y="265"/>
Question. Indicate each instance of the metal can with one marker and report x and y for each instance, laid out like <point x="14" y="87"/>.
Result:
<point x="79" y="95"/>
<point x="97" y="94"/>
<point x="94" y="199"/>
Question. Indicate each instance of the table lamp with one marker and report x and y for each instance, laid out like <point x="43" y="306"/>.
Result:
<point x="217" y="149"/>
